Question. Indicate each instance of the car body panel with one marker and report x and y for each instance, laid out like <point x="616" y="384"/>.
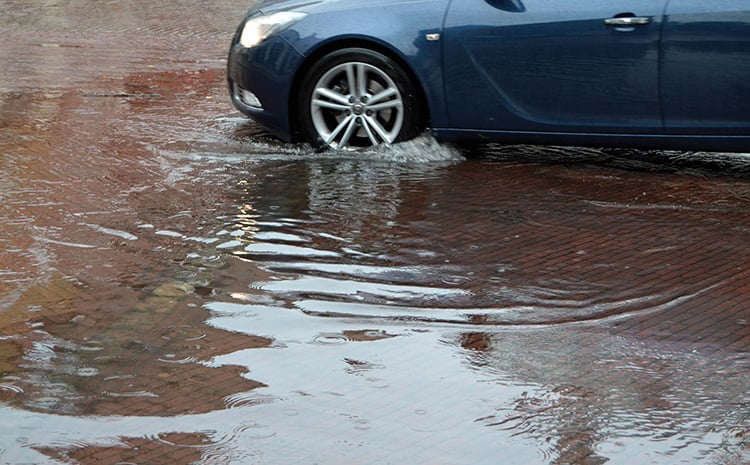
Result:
<point x="705" y="83"/>
<point x="541" y="65"/>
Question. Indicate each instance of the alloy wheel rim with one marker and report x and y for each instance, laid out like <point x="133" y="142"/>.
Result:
<point x="356" y="105"/>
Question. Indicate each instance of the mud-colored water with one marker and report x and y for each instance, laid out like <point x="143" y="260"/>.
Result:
<point x="178" y="288"/>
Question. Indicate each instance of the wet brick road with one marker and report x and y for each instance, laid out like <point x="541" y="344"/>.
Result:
<point x="178" y="288"/>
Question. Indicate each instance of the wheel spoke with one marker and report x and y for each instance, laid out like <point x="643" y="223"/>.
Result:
<point x="361" y="81"/>
<point x="351" y="78"/>
<point x="385" y="105"/>
<point x="329" y="105"/>
<point x="370" y="135"/>
<point x="344" y="142"/>
<point x="385" y="94"/>
<point x="375" y="124"/>
<point x="332" y="95"/>
<point x="335" y="133"/>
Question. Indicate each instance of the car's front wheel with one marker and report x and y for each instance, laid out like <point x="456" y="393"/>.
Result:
<point x="357" y="98"/>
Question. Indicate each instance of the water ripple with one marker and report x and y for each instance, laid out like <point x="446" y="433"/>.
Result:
<point x="9" y="391"/>
<point x="249" y="399"/>
<point x="524" y="315"/>
<point x="330" y="339"/>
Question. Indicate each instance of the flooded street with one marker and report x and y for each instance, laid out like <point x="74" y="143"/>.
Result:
<point x="178" y="288"/>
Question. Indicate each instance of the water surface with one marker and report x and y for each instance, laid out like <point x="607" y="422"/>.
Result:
<point x="177" y="287"/>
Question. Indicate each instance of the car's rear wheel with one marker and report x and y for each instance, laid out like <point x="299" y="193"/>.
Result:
<point x="356" y="98"/>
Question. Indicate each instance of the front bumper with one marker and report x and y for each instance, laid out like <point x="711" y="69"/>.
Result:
<point x="260" y="83"/>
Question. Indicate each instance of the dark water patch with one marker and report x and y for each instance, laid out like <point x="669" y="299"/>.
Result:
<point x="684" y="163"/>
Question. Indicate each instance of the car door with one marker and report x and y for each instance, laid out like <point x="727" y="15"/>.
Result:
<point x="706" y="66"/>
<point x="553" y="65"/>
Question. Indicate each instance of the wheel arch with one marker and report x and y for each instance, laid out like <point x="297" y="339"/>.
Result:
<point x="332" y="46"/>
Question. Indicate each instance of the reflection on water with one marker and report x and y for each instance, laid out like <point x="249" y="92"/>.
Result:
<point x="502" y="245"/>
<point x="349" y="254"/>
<point x="178" y="288"/>
<point x="355" y="309"/>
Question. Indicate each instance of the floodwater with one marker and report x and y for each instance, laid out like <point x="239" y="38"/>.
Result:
<point x="177" y="288"/>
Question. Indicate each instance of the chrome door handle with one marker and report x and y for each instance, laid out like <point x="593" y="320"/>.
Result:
<point x="627" y="21"/>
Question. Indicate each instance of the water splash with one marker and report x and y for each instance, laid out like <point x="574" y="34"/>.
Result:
<point x="422" y="149"/>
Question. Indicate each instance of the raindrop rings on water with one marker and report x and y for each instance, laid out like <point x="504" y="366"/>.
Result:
<point x="330" y="339"/>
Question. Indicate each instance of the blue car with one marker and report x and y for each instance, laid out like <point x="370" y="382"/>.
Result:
<point x="350" y="74"/>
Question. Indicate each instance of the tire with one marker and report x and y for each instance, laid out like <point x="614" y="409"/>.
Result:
<point x="356" y="98"/>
